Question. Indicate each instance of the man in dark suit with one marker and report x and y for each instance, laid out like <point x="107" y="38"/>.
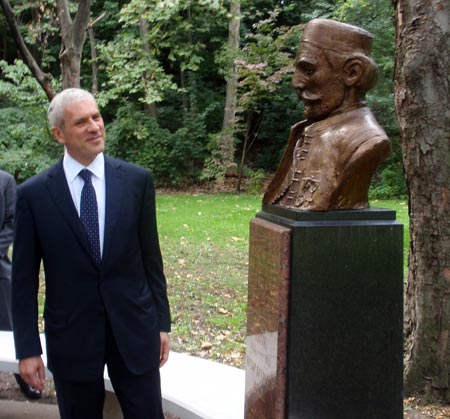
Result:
<point x="105" y="291"/>
<point x="7" y="205"/>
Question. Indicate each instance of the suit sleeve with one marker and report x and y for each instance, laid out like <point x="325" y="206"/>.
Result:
<point x="25" y="282"/>
<point x="152" y="255"/>
<point x="6" y="230"/>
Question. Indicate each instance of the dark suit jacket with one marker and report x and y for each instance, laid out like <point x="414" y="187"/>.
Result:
<point x="7" y="204"/>
<point x="129" y="286"/>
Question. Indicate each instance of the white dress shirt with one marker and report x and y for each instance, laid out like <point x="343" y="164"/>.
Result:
<point x="71" y="169"/>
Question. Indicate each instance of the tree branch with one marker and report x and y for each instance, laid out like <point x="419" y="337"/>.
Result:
<point x="44" y="79"/>
<point x="81" y="22"/>
<point x="65" y="21"/>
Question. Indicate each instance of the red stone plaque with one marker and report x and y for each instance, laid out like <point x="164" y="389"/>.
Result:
<point x="268" y="291"/>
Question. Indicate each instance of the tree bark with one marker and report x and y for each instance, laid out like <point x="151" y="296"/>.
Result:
<point x="73" y="36"/>
<point x="422" y="96"/>
<point x="227" y="142"/>
<point x="150" y="108"/>
<point x="94" y="52"/>
<point x="4" y="45"/>
<point x="44" y="79"/>
<point x="93" y="59"/>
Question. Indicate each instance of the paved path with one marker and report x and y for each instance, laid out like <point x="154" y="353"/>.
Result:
<point x="11" y="409"/>
<point x="191" y="387"/>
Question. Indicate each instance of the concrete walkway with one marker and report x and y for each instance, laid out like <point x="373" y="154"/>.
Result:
<point x="10" y="409"/>
<point x="192" y="388"/>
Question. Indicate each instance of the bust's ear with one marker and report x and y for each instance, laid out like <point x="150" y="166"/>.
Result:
<point x="353" y="72"/>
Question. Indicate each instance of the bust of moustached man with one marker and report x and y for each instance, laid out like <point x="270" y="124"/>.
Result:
<point x="332" y="155"/>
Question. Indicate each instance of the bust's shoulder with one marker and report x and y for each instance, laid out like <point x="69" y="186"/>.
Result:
<point x="351" y="129"/>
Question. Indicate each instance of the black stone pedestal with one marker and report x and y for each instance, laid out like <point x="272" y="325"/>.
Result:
<point x="344" y="337"/>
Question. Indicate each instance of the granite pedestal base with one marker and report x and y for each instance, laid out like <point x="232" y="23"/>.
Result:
<point x="342" y="356"/>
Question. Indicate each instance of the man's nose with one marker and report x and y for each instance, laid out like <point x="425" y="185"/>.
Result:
<point x="93" y="125"/>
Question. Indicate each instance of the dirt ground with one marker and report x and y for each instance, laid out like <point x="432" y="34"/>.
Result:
<point x="9" y="390"/>
<point x="413" y="408"/>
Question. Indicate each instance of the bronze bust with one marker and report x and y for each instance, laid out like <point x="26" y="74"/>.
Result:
<point x="332" y="155"/>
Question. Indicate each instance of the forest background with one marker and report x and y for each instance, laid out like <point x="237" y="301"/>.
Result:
<point x="163" y="72"/>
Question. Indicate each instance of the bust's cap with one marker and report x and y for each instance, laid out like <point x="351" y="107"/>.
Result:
<point x="337" y="36"/>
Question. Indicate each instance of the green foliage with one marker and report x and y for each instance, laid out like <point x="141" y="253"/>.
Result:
<point x="266" y="61"/>
<point x="390" y="180"/>
<point x="313" y="9"/>
<point x="19" y="86"/>
<point x="173" y="157"/>
<point x="26" y="143"/>
<point x="137" y="138"/>
<point x="175" y="32"/>
<point x="213" y="169"/>
<point x="255" y="179"/>
<point x="127" y="53"/>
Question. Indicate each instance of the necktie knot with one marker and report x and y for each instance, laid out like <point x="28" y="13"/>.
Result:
<point x="86" y="174"/>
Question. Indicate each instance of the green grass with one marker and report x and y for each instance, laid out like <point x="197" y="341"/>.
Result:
<point x="204" y="241"/>
<point x="401" y="208"/>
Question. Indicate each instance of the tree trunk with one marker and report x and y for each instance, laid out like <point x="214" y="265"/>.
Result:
<point x="184" y="98"/>
<point x="45" y="80"/>
<point x="150" y="108"/>
<point x="227" y="142"/>
<point x="94" y="52"/>
<point x="422" y="95"/>
<point x="73" y="36"/>
<point x="4" y="44"/>
<point x="93" y="59"/>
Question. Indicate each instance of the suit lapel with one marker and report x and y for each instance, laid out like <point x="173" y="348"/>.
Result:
<point x="60" y="193"/>
<point x="114" y="183"/>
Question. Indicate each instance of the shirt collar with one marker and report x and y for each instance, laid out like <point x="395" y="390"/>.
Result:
<point x="72" y="167"/>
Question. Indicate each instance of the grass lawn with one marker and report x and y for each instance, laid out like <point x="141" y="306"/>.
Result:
<point x="204" y="241"/>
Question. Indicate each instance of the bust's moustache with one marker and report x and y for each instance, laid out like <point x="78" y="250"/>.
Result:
<point x="306" y="97"/>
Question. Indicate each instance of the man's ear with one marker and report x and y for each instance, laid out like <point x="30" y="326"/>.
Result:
<point x="58" y="134"/>
<point x="353" y="72"/>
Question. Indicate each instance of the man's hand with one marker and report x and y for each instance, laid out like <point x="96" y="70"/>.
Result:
<point x="32" y="371"/>
<point x="165" y="347"/>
